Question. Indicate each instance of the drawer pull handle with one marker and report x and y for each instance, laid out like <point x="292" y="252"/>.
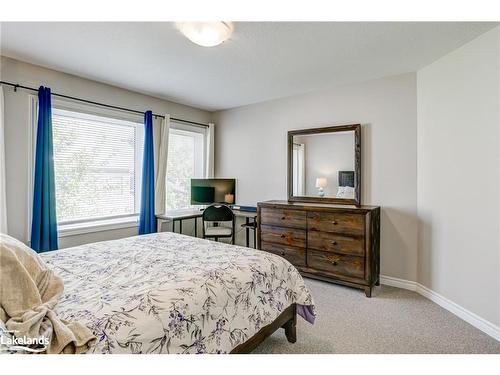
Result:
<point x="282" y="253"/>
<point x="334" y="260"/>
<point x="334" y="242"/>
<point x="334" y="222"/>
<point x="283" y="236"/>
<point x="283" y="217"/>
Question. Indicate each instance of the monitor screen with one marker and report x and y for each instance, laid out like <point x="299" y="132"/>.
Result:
<point x="213" y="190"/>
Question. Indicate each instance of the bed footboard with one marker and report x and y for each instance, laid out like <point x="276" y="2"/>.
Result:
<point x="287" y="320"/>
<point x="291" y="328"/>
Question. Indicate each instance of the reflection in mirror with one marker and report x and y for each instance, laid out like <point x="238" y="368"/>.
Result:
<point x="299" y="172"/>
<point x="323" y="165"/>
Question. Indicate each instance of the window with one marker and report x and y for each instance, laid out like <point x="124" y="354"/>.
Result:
<point x="186" y="160"/>
<point x="97" y="162"/>
<point x="298" y="169"/>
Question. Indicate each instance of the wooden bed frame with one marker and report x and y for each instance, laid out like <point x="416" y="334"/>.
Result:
<point x="287" y="320"/>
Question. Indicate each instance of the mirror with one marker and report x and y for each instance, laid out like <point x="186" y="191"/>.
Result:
<point x="324" y="165"/>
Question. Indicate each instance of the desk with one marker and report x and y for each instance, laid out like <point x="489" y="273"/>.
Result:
<point x="181" y="215"/>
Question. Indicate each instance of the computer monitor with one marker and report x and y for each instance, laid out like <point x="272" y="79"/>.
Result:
<point x="206" y="191"/>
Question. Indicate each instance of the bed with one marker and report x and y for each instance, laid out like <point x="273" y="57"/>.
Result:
<point x="170" y="293"/>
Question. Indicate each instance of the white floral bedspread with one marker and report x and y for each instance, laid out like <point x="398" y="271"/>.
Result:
<point x="169" y="293"/>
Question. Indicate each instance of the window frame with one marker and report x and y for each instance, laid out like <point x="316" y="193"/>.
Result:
<point x="82" y="226"/>
<point x="176" y="125"/>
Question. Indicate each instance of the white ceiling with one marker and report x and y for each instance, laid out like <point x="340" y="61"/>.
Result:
<point x="261" y="61"/>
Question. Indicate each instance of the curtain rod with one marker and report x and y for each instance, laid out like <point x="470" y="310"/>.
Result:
<point x="16" y="86"/>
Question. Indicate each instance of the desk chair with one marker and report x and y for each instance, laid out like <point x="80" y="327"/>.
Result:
<point x="214" y="214"/>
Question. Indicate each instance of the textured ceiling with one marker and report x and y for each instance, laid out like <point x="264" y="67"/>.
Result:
<point x="261" y="61"/>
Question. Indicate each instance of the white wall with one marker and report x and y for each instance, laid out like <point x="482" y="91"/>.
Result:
<point x="251" y="146"/>
<point x="459" y="176"/>
<point x="18" y="142"/>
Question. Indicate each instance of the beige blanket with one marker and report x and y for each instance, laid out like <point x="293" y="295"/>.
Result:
<point x="29" y="291"/>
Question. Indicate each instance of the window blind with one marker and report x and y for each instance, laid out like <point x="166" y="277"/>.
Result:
<point x="97" y="166"/>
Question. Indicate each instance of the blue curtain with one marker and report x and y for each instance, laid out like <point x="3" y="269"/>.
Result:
<point x="147" y="219"/>
<point x="44" y="223"/>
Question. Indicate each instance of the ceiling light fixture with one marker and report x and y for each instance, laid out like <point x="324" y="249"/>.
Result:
<point x="206" y="34"/>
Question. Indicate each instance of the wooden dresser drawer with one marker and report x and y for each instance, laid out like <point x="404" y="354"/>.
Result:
<point x="283" y="217"/>
<point x="338" y="264"/>
<point x="336" y="223"/>
<point x="283" y="236"/>
<point x="334" y="242"/>
<point x="295" y="255"/>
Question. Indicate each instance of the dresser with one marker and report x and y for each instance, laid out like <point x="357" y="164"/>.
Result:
<point x="334" y="243"/>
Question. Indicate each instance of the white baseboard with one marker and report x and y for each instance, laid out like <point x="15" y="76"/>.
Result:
<point x="464" y="314"/>
<point x="398" y="283"/>
<point x="471" y="318"/>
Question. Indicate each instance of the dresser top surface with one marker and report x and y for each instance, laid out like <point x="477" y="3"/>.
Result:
<point x="313" y="206"/>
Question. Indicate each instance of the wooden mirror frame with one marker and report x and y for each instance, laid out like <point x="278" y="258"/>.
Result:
<point x="357" y="164"/>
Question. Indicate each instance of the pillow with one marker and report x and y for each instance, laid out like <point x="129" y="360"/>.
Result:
<point x="349" y="192"/>
<point x="346" y="192"/>
<point x="341" y="192"/>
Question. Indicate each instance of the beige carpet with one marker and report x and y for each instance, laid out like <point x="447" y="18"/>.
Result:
<point x="392" y="321"/>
